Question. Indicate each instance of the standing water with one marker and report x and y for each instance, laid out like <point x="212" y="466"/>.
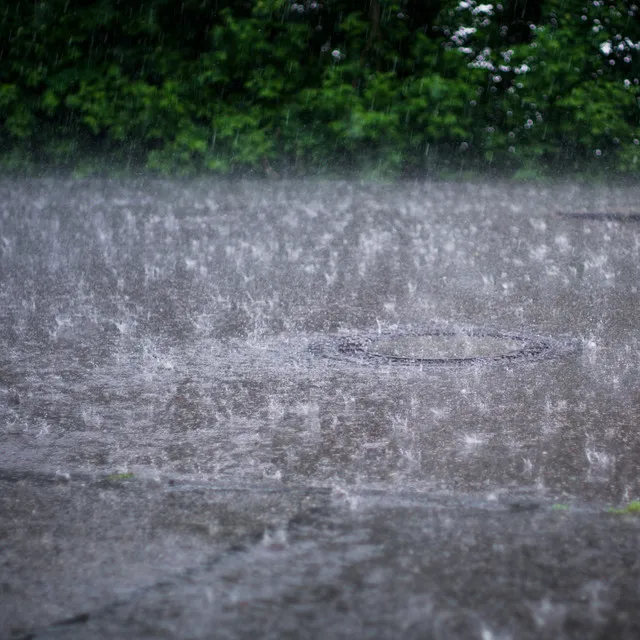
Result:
<point x="318" y="410"/>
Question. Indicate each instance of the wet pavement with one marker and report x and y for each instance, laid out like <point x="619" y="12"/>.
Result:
<point x="296" y="409"/>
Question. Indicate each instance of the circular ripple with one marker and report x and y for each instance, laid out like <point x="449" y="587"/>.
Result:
<point x="434" y="347"/>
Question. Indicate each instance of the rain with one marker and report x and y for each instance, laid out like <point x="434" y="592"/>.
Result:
<point x="256" y="394"/>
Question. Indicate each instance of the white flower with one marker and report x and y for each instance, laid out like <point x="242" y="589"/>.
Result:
<point x="605" y="47"/>
<point x="336" y="54"/>
<point x="486" y="9"/>
<point x="463" y="33"/>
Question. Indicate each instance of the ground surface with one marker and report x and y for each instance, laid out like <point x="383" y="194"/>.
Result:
<point x="204" y="432"/>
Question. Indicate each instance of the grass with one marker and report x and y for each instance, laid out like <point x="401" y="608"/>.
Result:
<point x="632" y="509"/>
<point x="119" y="477"/>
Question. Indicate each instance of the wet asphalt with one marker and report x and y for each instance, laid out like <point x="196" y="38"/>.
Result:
<point x="318" y="410"/>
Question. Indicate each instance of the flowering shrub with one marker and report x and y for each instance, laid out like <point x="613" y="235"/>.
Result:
<point x="274" y="85"/>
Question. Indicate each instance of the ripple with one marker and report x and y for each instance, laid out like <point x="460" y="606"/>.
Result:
<point x="436" y="346"/>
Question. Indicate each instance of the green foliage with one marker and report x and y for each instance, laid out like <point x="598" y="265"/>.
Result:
<point x="119" y="477"/>
<point x="385" y="87"/>
<point x="632" y="509"/>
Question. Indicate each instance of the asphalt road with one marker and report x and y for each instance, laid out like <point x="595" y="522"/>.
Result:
<point x="313" y="410"/>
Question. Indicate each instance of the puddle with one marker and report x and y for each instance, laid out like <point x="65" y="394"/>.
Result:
<point x="434" y="346"/>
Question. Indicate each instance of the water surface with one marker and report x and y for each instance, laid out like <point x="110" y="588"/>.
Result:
<point x="166" y="330"/>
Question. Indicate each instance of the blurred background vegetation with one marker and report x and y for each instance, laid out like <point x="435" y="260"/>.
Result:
<point x="280" y="87"/>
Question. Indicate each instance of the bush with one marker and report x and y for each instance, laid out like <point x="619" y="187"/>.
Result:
<point x="273" y="85"/>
